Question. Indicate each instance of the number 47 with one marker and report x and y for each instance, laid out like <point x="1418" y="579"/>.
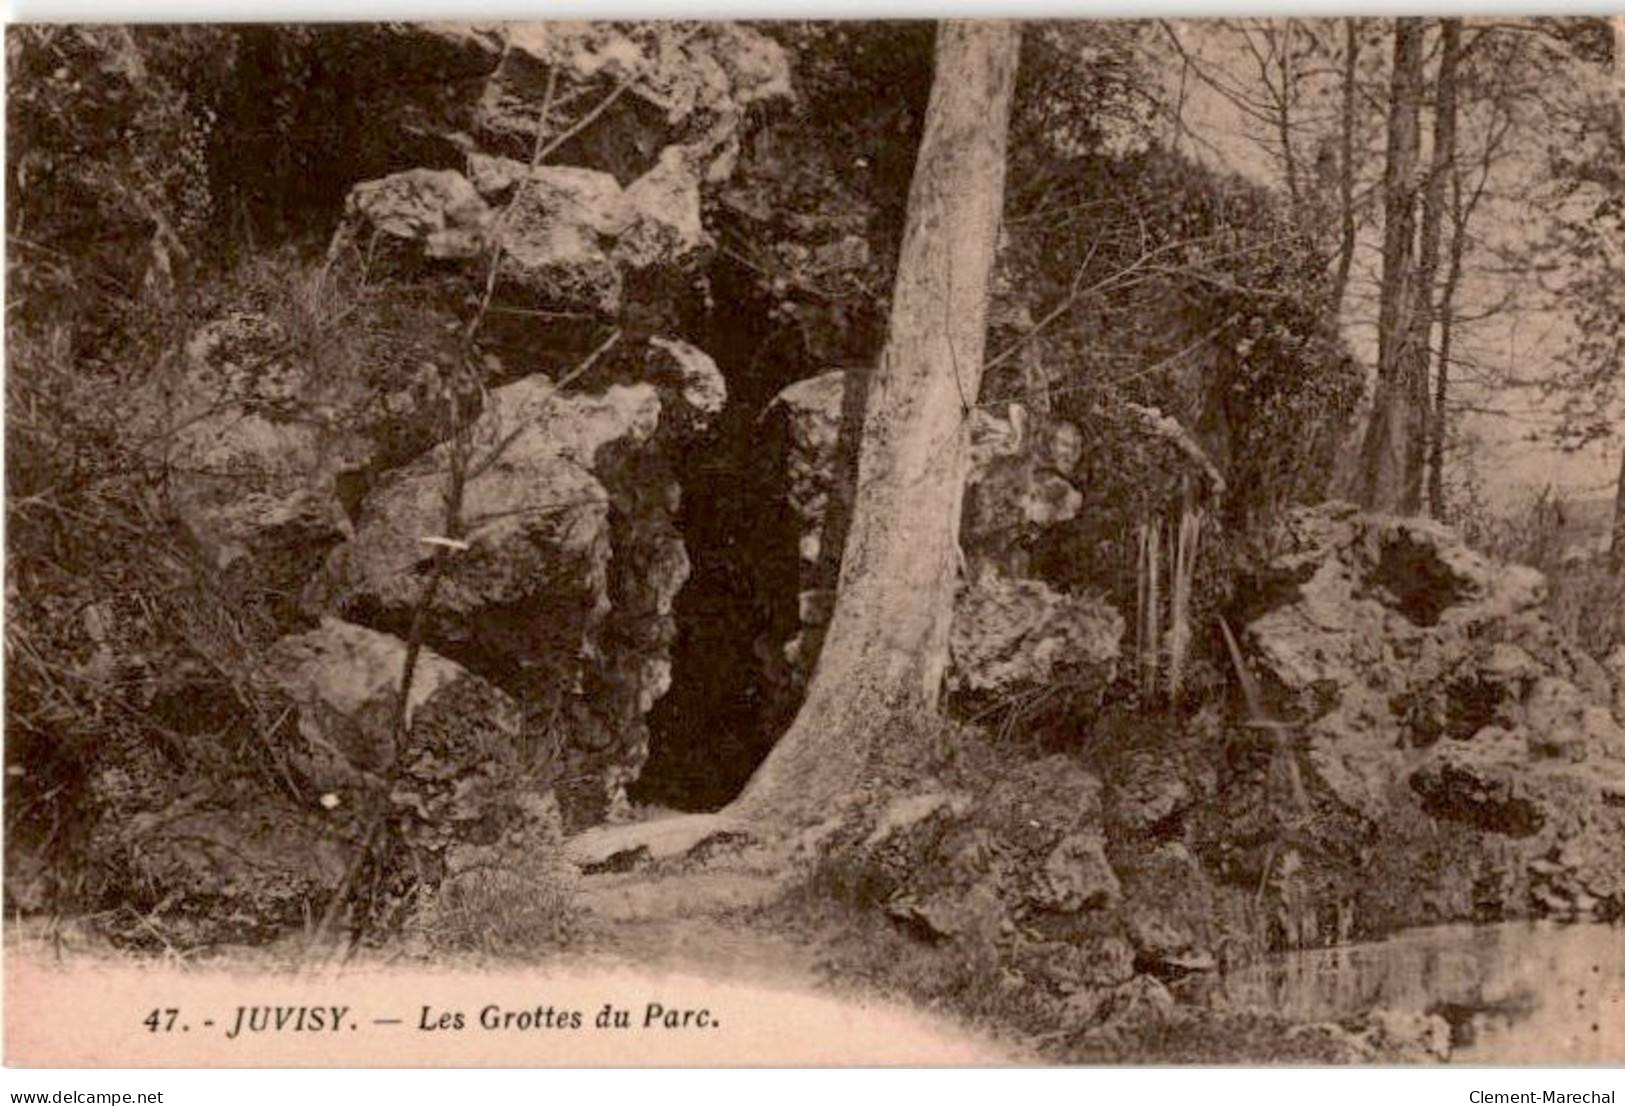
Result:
<point x="153" y="1022"/>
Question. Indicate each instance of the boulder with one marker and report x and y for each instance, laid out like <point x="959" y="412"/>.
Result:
<point x="808" y="416"/>
<point x="223" y="858"/>
<point x="555" y="238"/>
<point x="1019" y="483"/>
<point x="564" y="593"/>
<point x="253" y="444"/>
<point x="1077" y="875"/>
<point x="1147" y="789"/>
<point x="1012" y="636"/>
<point x="225" y="867"/>
<point x="267" y="437"/>
<point x="1019" y="637"/>
<point x="640" y="118"/>
<point x="435" y="208"/>
<point x="1420" y="668"/>
<point x="570" y="236"/>
<point x="458" y="774"/>
<point x="682" y="84"/>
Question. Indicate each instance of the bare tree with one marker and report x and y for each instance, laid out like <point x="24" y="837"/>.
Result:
<point x="1393" y="414"/>
<point x="1345" y="162"/>
<point x="886" y="651"/>
<point x="1423" y="310"/>
<point x="1616" y="549"/>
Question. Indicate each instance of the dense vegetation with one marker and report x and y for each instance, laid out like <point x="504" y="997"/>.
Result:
<point x="606" y="236"/>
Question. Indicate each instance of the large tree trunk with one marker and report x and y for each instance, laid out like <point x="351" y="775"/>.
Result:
<point x="886" y="649"/>
<point x="1383" y="459"/>
<point x="1418" y="348"/>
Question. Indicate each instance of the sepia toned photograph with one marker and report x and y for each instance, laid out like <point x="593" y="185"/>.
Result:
<point x="816" y="543"/>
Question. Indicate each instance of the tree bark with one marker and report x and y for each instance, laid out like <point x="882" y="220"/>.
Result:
<point x="1423" y="312"/>
<point x="1345" y="168"/>
<point x="1383" y="459"/>
<point x="1460" y="212"/>
<point x="1616" y="548"/>
<point x="1283" y="108"/>
<point x="886" y="649"/>
<point x="1440" y="415"/>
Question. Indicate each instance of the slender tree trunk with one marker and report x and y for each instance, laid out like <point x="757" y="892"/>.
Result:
<point x="886" y="649"/>
<point x="1345" y="168"/>
<point x="1616" y="549"/>
<point x="1440" y="415"/>
<point x="1423" y="312"/>
<point x="1283" y="115"/>
<point x="1460" y="211"/>
<point x="1383" y="459"/>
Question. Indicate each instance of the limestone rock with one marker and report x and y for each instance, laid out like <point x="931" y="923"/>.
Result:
<point x="459" y="776"/>
<point x="231" y="870"/>
<point x="684" y="83"/>
<point x="1147" y="788"/>
<point x="1016" y="636"/>
<point x="494" y="177"/>
<point x="565" y="594"/>
<point x="229" y="861"/>
<point x="1420" y="667"/>
<point x="556" y="234"/>
<point x="640" y="119"/>
<point x="569" y="235"/>
<point x="1078" y="875"/>
<point x="1563" y="724"/>
<point x="436" y="208"/>
<point x="698" y="381"/>
<point x="810" y="414"/>
<point x="254" y="445"/>
<point x="1042" y="801"/>
<point x="1406" y="633"/>
<point x="1141" y="1003"/>
<point x="663" y="216"/>
<point x="1011" y="635"/>
<point x="1018" y="484"/>
<point x="974" y="912"/>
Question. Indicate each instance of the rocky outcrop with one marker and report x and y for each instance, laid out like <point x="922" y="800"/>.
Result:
<point x="1418" y="668"/>
<point x="1027" y="851"/>
<point x="252" y="449"/>
<point x="603" y="191"/>
<point x="1012" y="635"/>
<point x="264" y="441"/>
<point x="577" y="156"/>
<point x="457" y="774"/>
<point x="666" y="84"/>
<point x="1026" y="869"/>
<point x="229" y="860"/>
<point x="1022" y="637"/>
<point x="562" y="592"/>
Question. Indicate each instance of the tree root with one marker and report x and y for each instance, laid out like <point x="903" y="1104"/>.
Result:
<point x="657" y="839"/>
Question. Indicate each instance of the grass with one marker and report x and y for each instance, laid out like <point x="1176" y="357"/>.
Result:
<point x="514" y="910"/>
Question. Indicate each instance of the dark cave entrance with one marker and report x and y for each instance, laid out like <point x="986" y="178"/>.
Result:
<point x="723" y="713"/>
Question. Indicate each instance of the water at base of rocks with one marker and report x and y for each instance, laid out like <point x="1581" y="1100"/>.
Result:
<point x="1521" y="993"/>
